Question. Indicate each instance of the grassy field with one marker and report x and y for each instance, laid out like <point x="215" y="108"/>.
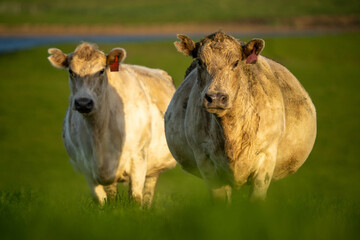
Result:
<point x="41" y="197"/>
<point x="14" y="12"/>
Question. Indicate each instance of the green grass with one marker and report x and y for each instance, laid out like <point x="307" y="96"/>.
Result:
<point x="41" y="197"/>
<point x="14" y="12"/>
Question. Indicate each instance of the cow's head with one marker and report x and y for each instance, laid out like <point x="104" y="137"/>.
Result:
<point x="221" y="62"/>
<point x="88" y="73"/>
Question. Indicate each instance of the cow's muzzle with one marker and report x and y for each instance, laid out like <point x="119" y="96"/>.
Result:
<point x="84" y="105"/>
<point x="216" y="102"/>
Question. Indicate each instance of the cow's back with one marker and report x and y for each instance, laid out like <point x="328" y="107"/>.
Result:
<point x="157" y="84"/>
<point x="300" y="122"/>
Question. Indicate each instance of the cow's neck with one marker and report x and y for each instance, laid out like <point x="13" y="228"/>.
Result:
<point x="101" y="122"/>
<point x="107" y="141"/>
<point x="240" y="124"/>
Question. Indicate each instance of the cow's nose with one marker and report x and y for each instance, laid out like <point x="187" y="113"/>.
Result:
<point x="84" y="105"/>
<point x="217" y="98"/>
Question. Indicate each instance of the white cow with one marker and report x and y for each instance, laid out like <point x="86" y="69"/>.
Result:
<point x="114" y="129"/>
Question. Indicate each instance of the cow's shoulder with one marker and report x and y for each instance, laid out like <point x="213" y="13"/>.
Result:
<point x="190" y="68"/>
<point x="183" y="92"/>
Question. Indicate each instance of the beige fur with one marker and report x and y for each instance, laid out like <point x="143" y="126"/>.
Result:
<point x="238" y="117"/>
<point x="122" y="139"/>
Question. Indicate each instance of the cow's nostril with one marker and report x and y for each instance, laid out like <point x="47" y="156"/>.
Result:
<point x="90" y="104"/>
<point x="208" y="98"/>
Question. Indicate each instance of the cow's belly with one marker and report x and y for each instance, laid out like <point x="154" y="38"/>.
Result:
<point x="295" y="145"/>
<point x="175" y="129"/>
<point x="178" y="144"/>
<point x="159" y="156"/>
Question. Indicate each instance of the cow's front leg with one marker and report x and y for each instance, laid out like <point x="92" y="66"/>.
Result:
<point x="99" y="194"/>
<point x="263" y="175"/>
<point x="220" y="191"/>
<point x="97" y="191"/>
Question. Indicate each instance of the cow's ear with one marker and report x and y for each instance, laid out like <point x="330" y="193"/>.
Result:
<point x="253" y="49"/>
<point x="57" y="58"/>
<point x="186" y="46"/>
<point x="115" y="57"/>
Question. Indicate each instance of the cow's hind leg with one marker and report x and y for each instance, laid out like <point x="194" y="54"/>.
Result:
<point x="137" y="178"/>
<point x="222" y="194"/>
<point x="136" y="186"/>
<point x="149" y="189"/>
<point x="263" y="176"/>
<point x="111" y="191"/>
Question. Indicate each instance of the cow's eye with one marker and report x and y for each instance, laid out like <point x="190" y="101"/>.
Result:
<point x="235" y="64"/>
<point x="200" y="63"/>
<point x="102" y="71"/>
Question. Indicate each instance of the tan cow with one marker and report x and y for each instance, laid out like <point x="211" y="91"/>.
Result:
<point x="113" y="129"/>
<point x="238" y="117"/>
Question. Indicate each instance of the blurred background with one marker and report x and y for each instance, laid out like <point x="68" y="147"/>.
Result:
<point x="40" y="194"/>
